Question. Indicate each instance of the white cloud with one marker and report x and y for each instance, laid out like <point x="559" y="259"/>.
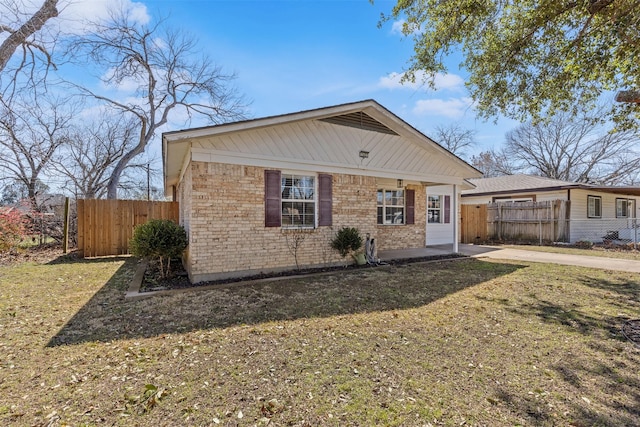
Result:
<point x="453" y="108"/>
<point x="76" y="13"/>
<point x="442" y="81"/>
<point x="398" y="27"/>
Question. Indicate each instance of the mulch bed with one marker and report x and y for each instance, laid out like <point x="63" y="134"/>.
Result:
<point x="178" y="277"/>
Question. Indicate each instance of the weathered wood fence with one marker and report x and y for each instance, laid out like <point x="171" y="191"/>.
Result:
<point x="539" y="222"/>
<point x="106" y="226"/>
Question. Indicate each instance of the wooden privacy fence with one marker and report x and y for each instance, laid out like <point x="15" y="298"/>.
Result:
<point x="473" y="223"/>
<point x="106" y="226"/>
<point x="529" y="221"/>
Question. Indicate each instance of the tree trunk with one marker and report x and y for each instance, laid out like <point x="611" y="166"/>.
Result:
<point x="114" y="179"/>
<point x="628" y="96"/>
<point x="34" y="24"/>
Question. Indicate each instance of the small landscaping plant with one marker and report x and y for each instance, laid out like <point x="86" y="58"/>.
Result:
<point x="159" y="239"/>
<point x="347" y="240"/>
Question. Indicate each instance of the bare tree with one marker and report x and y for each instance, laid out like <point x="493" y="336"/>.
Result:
<point x="93" y="150"/>
<point x="455" y="138"/>
<point x="14" y="191"/>
<point x="580" y="149"/>
<point x="167" y="75"/>
<point x="493" y="163"/>
<point x="142" y="180"/>
<point x="31" y="133"/>
<point x="20" y="31"/>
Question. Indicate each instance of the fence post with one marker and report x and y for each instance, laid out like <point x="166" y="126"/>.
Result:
<point x="65" y="232"/>
<point x="499" y="210"/>
<point x="635" y="233"/>
<point x="540" y="231"/>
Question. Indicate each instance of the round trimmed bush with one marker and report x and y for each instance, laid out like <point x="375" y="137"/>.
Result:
<point x="346" y="240"/>
<point x="159" y="239"/>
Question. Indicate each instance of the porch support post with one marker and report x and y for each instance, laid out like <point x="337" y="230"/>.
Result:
<point x="455" y="217"/>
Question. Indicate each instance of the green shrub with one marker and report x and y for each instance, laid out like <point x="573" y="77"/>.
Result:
<point x="159" y="239"/>
<point x="346" y="240"/>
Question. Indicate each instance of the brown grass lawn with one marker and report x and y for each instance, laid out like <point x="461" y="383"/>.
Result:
<point x="598" y="251"/>
<point x="469" y="342"/>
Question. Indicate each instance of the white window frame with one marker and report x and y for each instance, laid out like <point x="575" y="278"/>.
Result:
<point x="516" y="200"/>
<point x="628" y="208"/>
<point x="384" y="206"/>
<point x="435" y="211"/>
<point x="594" y="210"/>
<point x="299" y="199"/>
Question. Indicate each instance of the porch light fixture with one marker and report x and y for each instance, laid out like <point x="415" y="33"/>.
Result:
<point x="363" y="154"/>
<point x="400" y="183"/>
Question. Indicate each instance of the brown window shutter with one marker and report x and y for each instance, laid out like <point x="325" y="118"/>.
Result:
<point x="447" y="209"/>
<point x="272" y="199"/>
<point x="325" y="199"/>
<point x="410" y="198"/>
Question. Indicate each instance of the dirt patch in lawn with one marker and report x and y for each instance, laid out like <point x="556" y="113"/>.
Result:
<point x="39" y="254"/>
<point x="631" y="330"/>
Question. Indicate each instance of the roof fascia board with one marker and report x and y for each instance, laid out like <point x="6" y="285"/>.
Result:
<point x="523" y="190"/>
<point x="620" y="191"/>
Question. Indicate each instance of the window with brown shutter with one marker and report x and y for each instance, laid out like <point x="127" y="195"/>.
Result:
<point x="434" y="209"/>
<point x="290" y="199"/>
<point x="391" y="207"/>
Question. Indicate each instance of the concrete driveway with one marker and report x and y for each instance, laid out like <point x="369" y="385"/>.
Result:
<point x="499" y="252"/>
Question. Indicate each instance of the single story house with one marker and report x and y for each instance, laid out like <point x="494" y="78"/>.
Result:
<point x="596" y="212"/>
<point x="269" y="194"/>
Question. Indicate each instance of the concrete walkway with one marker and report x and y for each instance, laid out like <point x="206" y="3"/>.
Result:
<point x="498" y="252"/>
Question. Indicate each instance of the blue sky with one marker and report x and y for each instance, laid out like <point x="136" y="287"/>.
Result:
<point x="294" y="55"/>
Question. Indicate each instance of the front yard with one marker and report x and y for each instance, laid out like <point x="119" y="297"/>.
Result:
<point x="468" y="342"/>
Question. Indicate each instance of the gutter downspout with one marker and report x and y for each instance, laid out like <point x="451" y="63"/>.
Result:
<point x="568" y="213"/>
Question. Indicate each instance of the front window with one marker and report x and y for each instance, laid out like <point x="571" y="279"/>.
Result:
<point x="298" y="201"/>
<point x="594" y="206"/>
<point x="390" y="206"/>
<point x="625" y="208"/>
<point x="434" y="209"/>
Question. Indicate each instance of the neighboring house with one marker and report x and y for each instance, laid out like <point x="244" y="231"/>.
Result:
<point x="596" y="212"/>
<point x="267" y="194"/>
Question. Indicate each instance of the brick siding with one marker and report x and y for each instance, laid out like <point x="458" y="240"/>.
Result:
<point x="222" y="209"/>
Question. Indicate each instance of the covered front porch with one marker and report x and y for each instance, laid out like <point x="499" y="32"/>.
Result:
<point x="432" y="251"/>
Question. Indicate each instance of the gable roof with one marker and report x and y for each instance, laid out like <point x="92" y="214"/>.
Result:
<point x="326" y="133"/>
<point x="500" y="184"/>
<point x="509" y="184"/>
